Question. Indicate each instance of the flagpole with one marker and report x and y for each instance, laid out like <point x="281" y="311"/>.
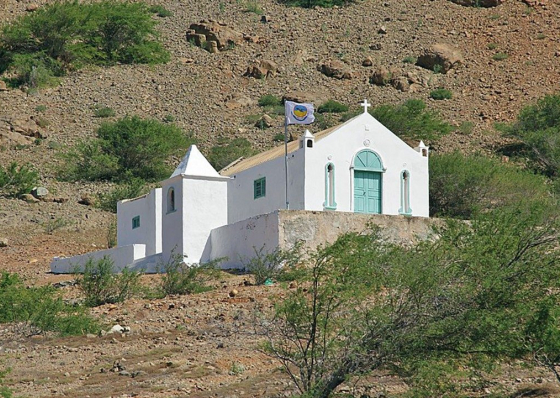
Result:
<point x="286" y="158"/>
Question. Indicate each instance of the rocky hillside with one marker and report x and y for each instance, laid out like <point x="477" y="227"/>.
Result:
<point x="508" y="56"/>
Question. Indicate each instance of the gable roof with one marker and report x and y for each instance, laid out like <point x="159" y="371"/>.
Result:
<point x="195" y="164"/>
<point x="278" y="151"/>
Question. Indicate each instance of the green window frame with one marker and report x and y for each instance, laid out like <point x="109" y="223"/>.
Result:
<point x="259" y="188"/>
<point x="135" y="222"/>
<point x="405" y="194"/>
<point x="330" y="202"/>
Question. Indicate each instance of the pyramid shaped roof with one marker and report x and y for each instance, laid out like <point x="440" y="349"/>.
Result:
<point x="195" y="164"/>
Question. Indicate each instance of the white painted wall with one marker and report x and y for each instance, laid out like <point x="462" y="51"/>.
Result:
<point x="238" y="241"/>
<point x="121" y="256"/>
<point x="148" y="207"/>
<point x="205" y="208"/>
<point x="241" y="201"/>
<point x="172" y="221"/>
<point x="341" y="147"/>
<point x="201" y="205"/>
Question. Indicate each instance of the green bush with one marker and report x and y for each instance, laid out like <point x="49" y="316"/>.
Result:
<point x="17" y="180"/>
<point x="269" y="100"/>
<point x="41" y="309"/>
<point x="500" y="56"/>
<point x="410" y="59"/>
<point x="127" y="148"/>
<point x="441" y="94"/>
<point x="412" y="120"/>
<point x="160" y="11"/>
<point x="227" y="151"/>
<point x="266" y="265"/>
<point x="101" y="285"/>
<point x="461" y="185"/>
<point x="481" y="292"/>
<point x="64" y="36"/>
<point x="317" y="3"/>
<point x="538" y="126"/>
<point x="103" y="111"/>
<point x="181" y="278"/>
<point x="332" y="106"/>
<point x="5" y="392"/>
<point x="127" y="190"/>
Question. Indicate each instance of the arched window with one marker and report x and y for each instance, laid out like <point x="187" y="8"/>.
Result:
<point x="171" y="200"/>
<point x="330" y="202"/>
<point x="310" y="143"/>
<point x="405" y="193"/>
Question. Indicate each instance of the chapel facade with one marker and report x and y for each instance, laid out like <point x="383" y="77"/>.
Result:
<point x="202" y="214"/>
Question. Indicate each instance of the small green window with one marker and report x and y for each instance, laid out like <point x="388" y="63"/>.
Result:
<point x="136" y="222"/>
<point x="260" y="188"/>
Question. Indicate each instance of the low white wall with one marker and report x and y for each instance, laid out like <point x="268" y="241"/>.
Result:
<point x="121" y="256"/>
<point x="239" y="241"/>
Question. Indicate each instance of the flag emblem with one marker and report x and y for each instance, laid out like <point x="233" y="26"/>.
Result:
<point x="299" y="113"/>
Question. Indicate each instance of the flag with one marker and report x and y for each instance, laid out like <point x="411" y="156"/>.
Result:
<point x="299" y="113"/>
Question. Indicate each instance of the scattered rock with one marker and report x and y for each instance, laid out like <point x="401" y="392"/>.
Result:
<point x="265" y="122"/>
<point x="367" y="62"/>
<point x="336" y="69"/>
<point x="59" y="285"/>
<point x="239" y="101"/>
<point x="442" y="56"/>
<point x="119" y="329"/>
<point x="535" y="3"/>
<point x="3" y="242"/>
<point x="382" y="30"/>
<point x="27" y="197"/>
<point x="381" y="76"/>
<point x="401" y="83"/>
<point x="40" y="192"/>
<point x="15" y="131"/>
<point x="233" y="293"/>
<point x="478" y="3"/>
<point x="210" y="31"/>
<point x="32" y="7"/>
<point x="262" y="69"/>
<point x="87" y="200"/>
<point x="265" y="19"/>
<point x="3" y="86"/>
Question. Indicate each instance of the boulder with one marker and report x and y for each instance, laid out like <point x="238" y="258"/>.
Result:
<point x="87" y="200"/>
<point x="3" y="86"/>
<point x="29" y="198"/>
<point x="262" y="69"/>
<point x="265" y="122"/>
<point x="32" y="7"/>
<point x="40" y="192"/>
<point x="336" y="69"/>
<point x="440" y="56"/>
<point x="478" y="3"/>
<point x="239" y="101"/>
<point x="367" y="62"/>
<point x="317" y="98"/>
<point x="205" y="32"/>
<point x="401" y="83"/>
<point x="3" y="242"/>
<point x="381" y="76"/>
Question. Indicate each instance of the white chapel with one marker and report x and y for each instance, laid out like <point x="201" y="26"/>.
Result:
<point x="202" y="214"/>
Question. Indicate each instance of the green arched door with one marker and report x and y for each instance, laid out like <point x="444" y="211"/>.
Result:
<point x="367" y="182"/>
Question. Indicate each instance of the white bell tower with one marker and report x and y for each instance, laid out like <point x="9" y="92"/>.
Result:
<point x="194" y="203"/>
